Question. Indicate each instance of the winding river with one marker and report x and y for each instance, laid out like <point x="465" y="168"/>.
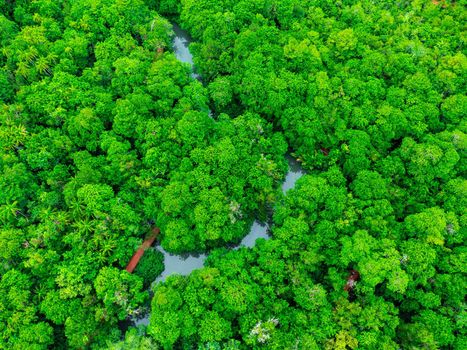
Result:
<point x="180" y="46"/>
<point x="185" y="264"/>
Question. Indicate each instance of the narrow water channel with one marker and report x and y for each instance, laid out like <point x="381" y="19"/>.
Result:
<point x="180" y="46"/>
<point x="185" y="264"/>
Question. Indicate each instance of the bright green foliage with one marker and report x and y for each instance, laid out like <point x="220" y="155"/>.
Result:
<point x="20" y="320"/>
<point x="200" y="211"/>
<point x="119" y="290"/>
<point x="371" y="97"/>
<point x="105" y="134"/>
<point x="134" y="340"/>
<point x="150" y="266"/>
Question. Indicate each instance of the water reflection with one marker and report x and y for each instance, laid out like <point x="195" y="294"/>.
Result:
<point x="185" y="264"/>
<point x="180" y="45"/>
<point x="295" y="172"/>
<point x="179" y="264"/>
<point x="258" y="230"/>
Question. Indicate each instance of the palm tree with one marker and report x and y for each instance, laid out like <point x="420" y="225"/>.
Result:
<point x="85" y="227"/>
<point x="8" y="211"/>
<point x="42" y="66"/>
<point x="23" y="70"/>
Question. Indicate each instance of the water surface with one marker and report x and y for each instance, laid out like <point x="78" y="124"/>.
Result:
<point x="185" y="264"/>
<point x="181" y="43"/>
<point x="258" y="230"/>
<point x="179" y="264"/>
<point x="295" y="172"/>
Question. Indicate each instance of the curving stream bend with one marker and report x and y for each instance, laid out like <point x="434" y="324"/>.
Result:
<point x="185" y="264"/>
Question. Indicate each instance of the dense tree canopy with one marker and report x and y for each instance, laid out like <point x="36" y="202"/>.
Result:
<point x="371" y="98"/>
<point x="105" y="134"/>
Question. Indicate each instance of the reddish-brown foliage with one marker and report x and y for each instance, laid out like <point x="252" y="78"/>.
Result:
<point x="351" y="280"/>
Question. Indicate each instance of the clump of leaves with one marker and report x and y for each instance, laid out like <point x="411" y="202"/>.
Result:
<point x="150" y="266"/>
